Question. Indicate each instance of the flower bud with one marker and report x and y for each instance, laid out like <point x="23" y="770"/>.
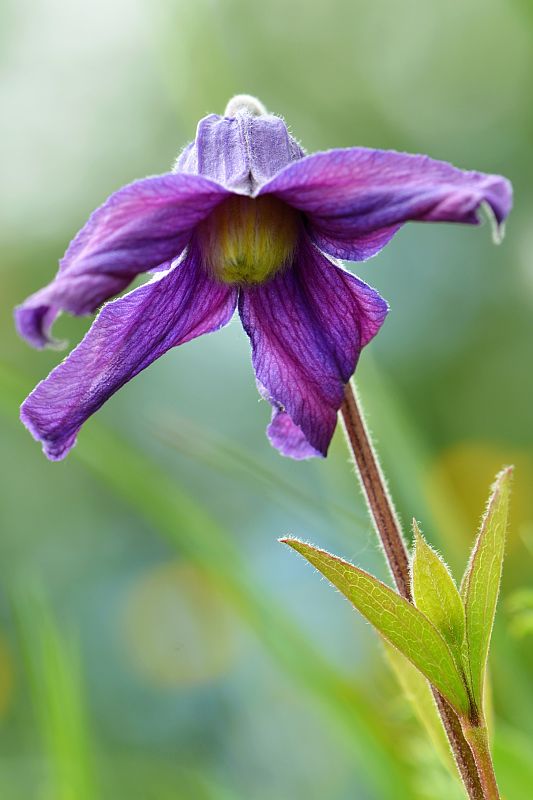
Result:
<point x="244" y="104"/>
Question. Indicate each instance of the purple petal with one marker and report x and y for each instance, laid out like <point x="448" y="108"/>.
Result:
<point x="288" y="438"/>
<point x="356" y="199"/>
<point x="141" y="227"/>
<point x="127" y="336"/>
<point x="307" y="327"/>
<point x="240" y="152"/>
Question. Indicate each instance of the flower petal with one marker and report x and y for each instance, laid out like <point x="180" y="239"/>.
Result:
<point x="288" y="438"/>
<point x="142" y="226"/>
<point x="127" y="336"/>
<point x="307" y="327"/>
<point x="240" y="152"/>
<point x="356" y="199"/>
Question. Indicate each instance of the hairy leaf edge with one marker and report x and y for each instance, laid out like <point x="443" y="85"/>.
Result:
<point x="461" y="711"/>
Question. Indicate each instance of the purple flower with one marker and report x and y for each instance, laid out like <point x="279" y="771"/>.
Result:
<point x="244" y="219"/>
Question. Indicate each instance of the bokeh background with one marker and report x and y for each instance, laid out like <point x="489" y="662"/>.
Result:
<point x="156" y="641"/>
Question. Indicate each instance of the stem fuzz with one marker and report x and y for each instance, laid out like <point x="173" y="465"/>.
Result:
<point x="477" y="738"/>
<point x="389" y="531"/>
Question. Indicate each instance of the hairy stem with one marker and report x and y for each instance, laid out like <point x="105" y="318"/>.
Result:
<point x="389" y="531"/>
<point x="375" y="490"/>
<point x="477" y="738"/>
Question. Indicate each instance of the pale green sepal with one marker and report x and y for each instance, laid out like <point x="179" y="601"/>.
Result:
<point x="481" y="582"/>
<point x="435" y="593"/>
<point x="398" y="621"/>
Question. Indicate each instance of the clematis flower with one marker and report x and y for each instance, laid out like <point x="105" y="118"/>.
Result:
<point x="245" y="219"/>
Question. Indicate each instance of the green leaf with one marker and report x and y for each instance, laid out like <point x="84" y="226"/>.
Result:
<point x="398" y="621"/>
<point x="481" y="582"/>
<point x="435" y="594"/>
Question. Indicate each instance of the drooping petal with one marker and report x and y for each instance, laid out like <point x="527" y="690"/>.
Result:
<point x="128" y="335"/>
<point x="142" y="226"/>
<point x="356" y="199"/>
<point x="288" y="438"/>
<point x="307" y="327"/>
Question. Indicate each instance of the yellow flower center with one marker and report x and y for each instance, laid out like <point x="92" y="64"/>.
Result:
<point x="247" y="240"/>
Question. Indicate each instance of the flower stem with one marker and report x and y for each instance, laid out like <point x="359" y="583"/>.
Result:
<point x="375" y="490"/>
<point x="388" y="528"/>
<point x="477" y="738"/>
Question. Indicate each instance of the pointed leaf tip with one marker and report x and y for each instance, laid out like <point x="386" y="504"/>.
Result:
<point x="435" y="593"/>
<point x="481" y="583"/>
<point x="396" y="619"/>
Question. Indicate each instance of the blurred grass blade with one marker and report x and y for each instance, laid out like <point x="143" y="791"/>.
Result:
<point x="417" y="691"/>
<point x="398" y="621"/>
<point x="227" y="457"/>
<point x="436" y="594"/>
<point x="481" y="582"/>
<point x="56" y="684"/>
<point x="144" y="486"/>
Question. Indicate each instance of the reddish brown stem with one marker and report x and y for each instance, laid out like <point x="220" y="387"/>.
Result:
<point x="375" y="490"/>
<point x="476" y="736"/>
<point x="388" y="528"/>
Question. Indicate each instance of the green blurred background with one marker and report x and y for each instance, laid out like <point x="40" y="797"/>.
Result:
<point x="156" y="641"/>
